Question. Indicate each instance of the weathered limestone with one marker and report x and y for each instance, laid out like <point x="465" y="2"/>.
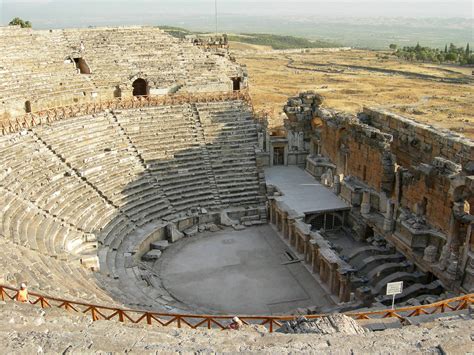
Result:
<point x="365" y="205"/>
<point x="128" y="48"/>
<point x="315" y="251"/>
<point x="152" y="255"/>
<point x="173" y="233"/>
<point x="430" y="254"/>
<point x="337" y="323"/>
<point x="412" y="182"/>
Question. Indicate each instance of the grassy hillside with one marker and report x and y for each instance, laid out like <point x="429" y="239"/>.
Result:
<point x="280" y="42"/>
<point x="262" y="39"/>
<point x="177" y="32"/>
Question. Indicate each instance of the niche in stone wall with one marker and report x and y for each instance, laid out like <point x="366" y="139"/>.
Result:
<point x="28" y="106"/>
<point x="140" y="87"/>
<point x="117" y="92"/>
<point x="236" y="83"/>
<point x="82" y="66"/>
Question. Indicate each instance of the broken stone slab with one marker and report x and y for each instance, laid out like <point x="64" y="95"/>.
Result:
<point x="173" y="233"/>
<point x="152" y="255"/>
<point x="159" y="245"/>
<point x="191" y="231"/>
<point x="213" y="228"/>
<point x="334" y="323"/>
<point x="225" y="220"/>
<point x="238" y="227"/>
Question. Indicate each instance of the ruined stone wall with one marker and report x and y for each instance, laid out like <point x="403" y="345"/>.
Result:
<point x="415" y="143"/>
<point x="411" y="183"/>
<point x="357" y="149"/>
<point x="428" y="194"/>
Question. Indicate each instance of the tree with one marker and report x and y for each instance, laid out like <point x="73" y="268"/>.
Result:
<point x="19" y="22"/>
<point x="445" y="48"/>
<point x="393" y="46"/>
<point x="468" y="51"/>
<point x="451" y="56"/>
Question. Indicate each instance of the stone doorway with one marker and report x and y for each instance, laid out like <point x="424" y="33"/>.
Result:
<point x="236" y="83"/>
<point x="140" y="87"/>
<point x="278" y="155"/>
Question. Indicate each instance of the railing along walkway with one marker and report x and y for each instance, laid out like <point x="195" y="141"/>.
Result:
<point x="55" y="114"/>
<point x="194" y="321"/>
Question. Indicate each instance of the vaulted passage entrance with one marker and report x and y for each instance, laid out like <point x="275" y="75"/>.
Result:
<point x="140" y="87"/>
<point x="236" y="83"/>
<point x="278" y="155"/>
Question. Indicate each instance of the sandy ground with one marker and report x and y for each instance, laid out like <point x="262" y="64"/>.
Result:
<point x="442" y="95"/>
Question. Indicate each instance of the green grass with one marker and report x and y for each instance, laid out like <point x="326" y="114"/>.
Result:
<point x="263" y="39"/>
<point x="280" y="42"/>
<point x="177" y="32"/>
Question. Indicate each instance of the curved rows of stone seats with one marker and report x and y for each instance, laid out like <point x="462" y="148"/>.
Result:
<point x="32" y="65"/>
<point x="56" y="277"/>
<point x="44" y="200"/>
<point x="39" y="69"/>
<point x="170" y="142"/>
<point x="230" y="136"/>
<point x="100" y="185"/>
<point x="103" y="157"/>
<point x="114" y="53"/>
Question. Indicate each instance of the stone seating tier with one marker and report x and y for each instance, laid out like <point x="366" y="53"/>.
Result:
<point x="92" y="184"/>
<point x="34" y="65"/>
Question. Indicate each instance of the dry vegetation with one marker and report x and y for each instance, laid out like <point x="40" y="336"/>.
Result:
<point x="414" y="90"/>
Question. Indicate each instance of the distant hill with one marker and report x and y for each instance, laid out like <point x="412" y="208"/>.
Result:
<point x="281" y="42"/>
<point x="262" y="39"/>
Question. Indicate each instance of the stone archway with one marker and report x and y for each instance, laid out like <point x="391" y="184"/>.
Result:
<point x="140" y="87"/>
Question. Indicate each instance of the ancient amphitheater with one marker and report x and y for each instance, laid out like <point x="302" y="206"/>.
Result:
<point x="137" y="184"/>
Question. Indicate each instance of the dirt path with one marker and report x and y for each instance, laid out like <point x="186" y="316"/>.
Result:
<point x="334" y="68"/>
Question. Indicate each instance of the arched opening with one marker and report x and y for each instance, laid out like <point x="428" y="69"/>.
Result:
<point x="236" y="83"/>
<point x="82" y="66"/>
<point x="140" y="87"/>
<point x="28" y="106"/>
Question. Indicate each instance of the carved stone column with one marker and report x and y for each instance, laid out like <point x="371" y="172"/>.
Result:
<point x="291" y="228"/>
<point x="389" y="217"/>
<point x="272" y="212"/>
<point x="344" y="287"/>
<point x="333" y="279"/>
<point x="297" y="241"/>
<point x="315" y="256"/>
<point x="308" y="251"/>
<point x="337" y="185"/>
<point x="284" y="223"/>
<point x="365" y="205"/>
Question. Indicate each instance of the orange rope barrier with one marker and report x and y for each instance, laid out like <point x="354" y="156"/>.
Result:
<point x="194" y="321"/>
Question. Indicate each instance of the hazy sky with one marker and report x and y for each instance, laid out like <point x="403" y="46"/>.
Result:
<point x="70" y="13"/>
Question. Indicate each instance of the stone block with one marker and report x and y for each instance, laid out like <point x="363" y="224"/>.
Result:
<point x="152" y="255"/>
<point x="213" y="228"/>
<point x="159" y="245"/>
<point x="191" y="231"/>
<point x="173" y="233"/>
<point x="225" y="220"/>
